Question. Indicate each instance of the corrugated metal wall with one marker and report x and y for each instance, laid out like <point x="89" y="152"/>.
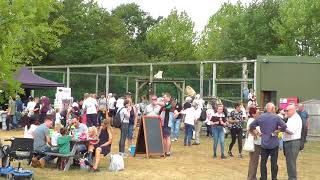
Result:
<point x="313" y="109"/>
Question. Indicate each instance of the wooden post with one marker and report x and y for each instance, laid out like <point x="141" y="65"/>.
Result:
<point x="32" y="91"/>
<point x="97" y="84"/>
<point x="244" y="82"/>
<point x="209" y="92"/>
<point x="64" y="78"/>
<point x="255" y="76"/>
<point x="137" y="92"/>
<point x="214" y="77"/>
<point x="154" y="88"/>
<point x="183" y="91"/>
<point x="201" y="79"/>
<point x="107" y="79"/>
<point x="68" y="77"/>
<point x="151" y="82"/>
<point x="127" y="84"/>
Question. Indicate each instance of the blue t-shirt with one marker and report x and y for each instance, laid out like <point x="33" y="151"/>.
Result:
<point x="304" y="116"/>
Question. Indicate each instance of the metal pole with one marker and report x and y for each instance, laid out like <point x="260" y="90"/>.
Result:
<point x="214" y="77"/>
<point x="68" y="77"/>
<point x="209" y="93"/>
<point x="127" y="84"/>
<point x="244" y="83"/>
<point x="97" y="84"/>
<point x="137" y="92"/>
<point x="255" y="76"/>
<point x="64" y="78"/>
<point x="201" y="79"/>
<point x="32" y="91"/>
<point x="107" y="79"/>
<point x="151" y="81"/>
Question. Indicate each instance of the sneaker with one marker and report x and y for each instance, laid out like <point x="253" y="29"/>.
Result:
<point x="86" y="162"/>
<point x="42" y="162"/>
<point x="230" y="154"/>
<point x="240" y="156"/>
<point x="172" y="140"/>
<point x="175" y="139"/>
<point x="168" y="154"/>
<point x="129" y="149"/>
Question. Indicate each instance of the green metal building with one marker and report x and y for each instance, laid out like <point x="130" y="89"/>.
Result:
<point x="287" y="76"/>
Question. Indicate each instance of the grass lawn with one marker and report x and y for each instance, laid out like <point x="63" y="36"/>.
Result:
<point x="193" y="162"/>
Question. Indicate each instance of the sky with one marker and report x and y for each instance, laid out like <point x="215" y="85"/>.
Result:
<point x="199" y="10"/>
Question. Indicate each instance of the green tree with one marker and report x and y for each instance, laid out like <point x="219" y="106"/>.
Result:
<point x="298" y="28"/>
<point x="173" y="38"/>
<point x="27" y="33"/>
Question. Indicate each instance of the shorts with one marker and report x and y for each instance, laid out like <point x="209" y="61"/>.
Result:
<point x="105" y="150"/>
<point x="166" y="131"/>
<point x="130" y="131"/>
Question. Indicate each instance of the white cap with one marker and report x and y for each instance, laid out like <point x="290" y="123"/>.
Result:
<point x="74" y="104"/>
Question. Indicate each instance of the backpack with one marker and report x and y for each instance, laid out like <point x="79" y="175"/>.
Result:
<point x="117" y="121"/>
<point x="203" y="115"/>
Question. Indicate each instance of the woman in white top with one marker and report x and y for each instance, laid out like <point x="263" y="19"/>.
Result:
<point x="189" y="120"/>
<point x="254" y="156"/>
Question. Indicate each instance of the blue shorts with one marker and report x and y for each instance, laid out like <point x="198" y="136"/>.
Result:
<point x="166" y="131"/>
<point x="130" y="131"/>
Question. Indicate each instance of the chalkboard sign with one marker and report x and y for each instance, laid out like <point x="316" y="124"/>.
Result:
<point x="149" y="139"/>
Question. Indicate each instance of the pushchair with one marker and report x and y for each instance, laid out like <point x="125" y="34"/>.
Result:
<point x="20" y="149"/>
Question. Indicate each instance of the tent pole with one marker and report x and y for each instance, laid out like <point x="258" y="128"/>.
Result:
<point x="97" y="84"/>
<point x="68" y="77"/>
<point x="32" y="91"/>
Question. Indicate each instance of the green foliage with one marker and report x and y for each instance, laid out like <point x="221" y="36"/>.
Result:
<point x="27" y="32"/>
<point x="172" y="39"/>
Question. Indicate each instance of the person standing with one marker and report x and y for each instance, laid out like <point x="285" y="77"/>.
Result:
<point x="102" y="104"/>
<point x="45" y="107"/>
<point x="133" y="120"/>
<point x="124" y="111"/>
<point x="209" y="113"/>
<point x="236" y="118"/>
<point x="218" y="121"/>
<point x="152" y="109"/>
<point x="11" y="112"/>
<point x="305" y="125"/>
<point x="176" y="121"/>
<point x="167" y="118"/>
<point x="189" y="120"/>
<point x="254" y="156"/>
<point x="292" y="141"/>
<point x="269" y="123"/>
<point x="90" y="105"/>
<point x="19" y="109"/>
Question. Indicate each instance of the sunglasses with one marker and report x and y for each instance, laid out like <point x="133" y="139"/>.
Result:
<point x="285" y="110"/>
<point x="154" y="99"/>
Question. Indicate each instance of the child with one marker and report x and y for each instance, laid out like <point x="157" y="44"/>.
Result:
<point x="64" y="142"/>
<point x="55" y="135"/>
<point x="93" y="137"/>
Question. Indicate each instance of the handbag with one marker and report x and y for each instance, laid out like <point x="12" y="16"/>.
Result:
<point x="249" y="144"/>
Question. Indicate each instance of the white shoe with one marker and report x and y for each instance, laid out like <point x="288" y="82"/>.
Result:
<point x="172" y="140"/>
<point x="176" y="139"/>
<point x="129" y="150"/>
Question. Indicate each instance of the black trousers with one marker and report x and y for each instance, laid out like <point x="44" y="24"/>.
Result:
<point x="265" y="153"/>
<point x="9" y="120"/>
<point x="304" y="134"/>
<point x="236" y="133"/>
<point x="92" y="120"/>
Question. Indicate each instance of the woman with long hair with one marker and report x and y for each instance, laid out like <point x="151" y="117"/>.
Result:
<point x="254" y="156"/>
<point x="218" y="121"/>
<point x="103" y="146"/>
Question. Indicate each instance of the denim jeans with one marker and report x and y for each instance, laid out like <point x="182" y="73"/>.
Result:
<point x="16" y="119"/>
<point x="101" y="117"/>
<point x="124" y="133"/>
<point x="218" y="137"/>
<point x="176" y="128"/>
<point x="187" y="134"/>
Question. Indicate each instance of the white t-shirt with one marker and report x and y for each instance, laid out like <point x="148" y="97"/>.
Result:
<point x="198" y="112"/>
<point x="30" y="107"/>
<point x="28" y="133"/>
<point x="111" y="102"/>
<point x="294" y="125"/>
<point x="191" y="115"/>
<point x="257" y="141"/>
<point x="90" y="105"/>
<point x="54" y="138"/>
<point x="58" y="118"/>
<point x="210" y="113"/>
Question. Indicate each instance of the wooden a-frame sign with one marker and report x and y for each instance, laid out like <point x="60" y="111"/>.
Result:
<point x="149" y="140"/>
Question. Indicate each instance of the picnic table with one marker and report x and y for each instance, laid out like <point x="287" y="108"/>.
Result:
<point x="72" y="155"/>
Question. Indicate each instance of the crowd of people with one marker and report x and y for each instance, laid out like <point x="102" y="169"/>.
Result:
<point x="91" y="118"/>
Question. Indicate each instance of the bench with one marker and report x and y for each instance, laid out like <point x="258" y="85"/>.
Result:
<point x="62" y="158"/>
